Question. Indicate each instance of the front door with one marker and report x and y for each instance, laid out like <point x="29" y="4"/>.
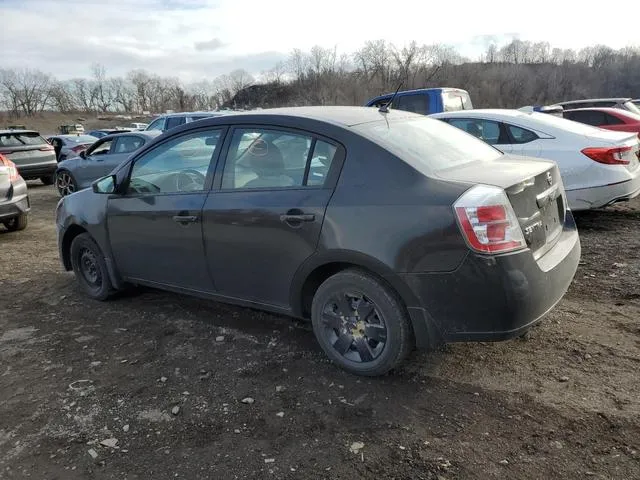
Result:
<point x="265" y="220"/>
<point x="155" y="228"/>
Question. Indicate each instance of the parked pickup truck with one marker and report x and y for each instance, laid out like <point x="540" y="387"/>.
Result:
<point x="426" y="100"/>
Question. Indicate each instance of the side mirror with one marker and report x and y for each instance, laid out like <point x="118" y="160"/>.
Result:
<point x="104" y="185"/>
<point x="83" y="154"/>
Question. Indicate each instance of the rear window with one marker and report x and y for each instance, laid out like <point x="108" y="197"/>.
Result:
<point x="568" y="125"/>
<point x="456" y="100"/>
<point x="428" y="144"/>
<point x="82" y="139"/>
<point x="20" y="139"/>
<point x="632" y="107"/>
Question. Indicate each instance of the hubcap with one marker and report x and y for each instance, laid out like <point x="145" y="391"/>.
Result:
<point x="65" y="184"/>
<point x="89" y="268"/>
<point x="354" y="327"/>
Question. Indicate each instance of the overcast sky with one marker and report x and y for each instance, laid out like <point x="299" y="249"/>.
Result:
<point x="196" y="39"/>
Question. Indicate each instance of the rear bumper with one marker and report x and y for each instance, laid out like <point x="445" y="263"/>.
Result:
<point x="17" y="204"/>
<point x="597" y="197"/>
<point x="492" y="298"/>
<point x="38" y="170"/>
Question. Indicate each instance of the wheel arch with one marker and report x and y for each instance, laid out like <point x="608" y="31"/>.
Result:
<point x="65" y="248"/>
<point x="320" y="267"/>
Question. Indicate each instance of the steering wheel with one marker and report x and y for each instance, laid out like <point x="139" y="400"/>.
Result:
<point x="189" y="180"/>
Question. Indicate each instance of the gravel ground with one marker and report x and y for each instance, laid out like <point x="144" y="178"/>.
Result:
<point x="157" y="385"/>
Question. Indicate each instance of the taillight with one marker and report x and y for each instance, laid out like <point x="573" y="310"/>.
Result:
<point x="79" y="148"/>
<point x="608" y="155"/>
<point x="13" y="171"/>
<point x="487" y="220"/>
<point x="47" y="148"/>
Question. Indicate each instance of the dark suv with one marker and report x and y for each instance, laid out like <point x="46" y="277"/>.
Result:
<point x="33" y="155"/>
<point x="387" y="230"/>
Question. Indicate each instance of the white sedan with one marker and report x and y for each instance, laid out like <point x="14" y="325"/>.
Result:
<point x="598" y="167"/>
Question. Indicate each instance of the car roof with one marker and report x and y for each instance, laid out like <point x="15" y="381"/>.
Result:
<point x="341" y="116"/>
<point x="179" y="114"/>
<point x="149" y="134"/>
<point x="478" y="112"/>
<point x="18" y="131"/>
<point x="613" y="99"/>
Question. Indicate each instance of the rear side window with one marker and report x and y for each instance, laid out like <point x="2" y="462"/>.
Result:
<point x="22" y="139"/>
<point x="521" y="135"/>
<point x="173" y="122"/>
<point x="415" y="102"/>
<point x="427" y="144"/>
<point x="128" y="144"/>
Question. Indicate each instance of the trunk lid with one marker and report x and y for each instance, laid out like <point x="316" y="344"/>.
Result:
<point x="534" y="188"/>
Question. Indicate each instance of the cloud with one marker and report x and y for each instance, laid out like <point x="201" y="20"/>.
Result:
<point x="183" y="38"/>
<point x="213" y="44"/>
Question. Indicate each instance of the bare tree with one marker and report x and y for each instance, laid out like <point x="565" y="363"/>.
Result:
<point x="26" y="91"/>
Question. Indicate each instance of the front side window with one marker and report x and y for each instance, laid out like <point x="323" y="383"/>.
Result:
<point x="102" y="148"/>
<point x="261" y="158"/>
<point x="521" y="135"/>
<point x="179" y="165"/>
<point x="157" y="124"/>
<point x="486" y="130"/>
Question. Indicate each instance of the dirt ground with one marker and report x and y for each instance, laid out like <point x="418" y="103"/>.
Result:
<point x="47" y="123"/>
<point x="161" y="378"/>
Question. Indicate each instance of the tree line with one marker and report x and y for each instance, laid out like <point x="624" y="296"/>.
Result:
<point x="516" y="74"/>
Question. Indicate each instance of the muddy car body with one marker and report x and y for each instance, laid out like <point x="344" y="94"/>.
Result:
<point x="387" y="230"/>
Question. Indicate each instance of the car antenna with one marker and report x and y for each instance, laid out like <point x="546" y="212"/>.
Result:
<point x="385" y="108"/>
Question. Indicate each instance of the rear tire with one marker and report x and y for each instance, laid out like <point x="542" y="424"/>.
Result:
<point x="47" y="180"/>
<point x="17" y="223"/>
<point x="90" y="268"/>
<point x="361" y="323"/>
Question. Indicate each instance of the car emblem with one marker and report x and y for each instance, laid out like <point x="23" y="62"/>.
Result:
<point x="549" y="178"/>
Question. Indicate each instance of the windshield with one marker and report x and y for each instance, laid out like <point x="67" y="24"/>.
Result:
<point x="426" y="142"/>
<point x="632" y="107"/>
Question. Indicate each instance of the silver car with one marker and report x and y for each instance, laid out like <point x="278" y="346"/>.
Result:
<point x="33" y="155"/>
<point x="98" y="160"/>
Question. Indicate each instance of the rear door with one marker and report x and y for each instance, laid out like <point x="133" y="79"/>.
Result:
<point x="523" y="141"/>
<point x="155" y="227"/>
<point x="265" y="219"/>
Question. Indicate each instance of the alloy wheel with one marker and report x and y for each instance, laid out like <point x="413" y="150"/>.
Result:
<point x="354" y="327"/>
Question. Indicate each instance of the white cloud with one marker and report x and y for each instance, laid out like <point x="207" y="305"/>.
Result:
<point x="194" y="39"/>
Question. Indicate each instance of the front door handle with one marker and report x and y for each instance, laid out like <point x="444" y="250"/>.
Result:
<point x="185" y="218"/>
<point x="302" y="217"/>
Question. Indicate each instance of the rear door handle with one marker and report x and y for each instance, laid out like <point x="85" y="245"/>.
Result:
<point x="302" y="217"/>
<point x="185" y="218"/>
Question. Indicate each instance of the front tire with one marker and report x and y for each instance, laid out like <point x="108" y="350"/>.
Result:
<point x="16" y="223"/>
<point x="361" y="323"/>
<point x="90" y="268"/>
<point x="65" y="183"/>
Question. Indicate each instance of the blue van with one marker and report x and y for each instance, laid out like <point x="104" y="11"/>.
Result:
<point x="426" y="100"/>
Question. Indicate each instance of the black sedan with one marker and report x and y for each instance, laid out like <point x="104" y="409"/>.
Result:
<point x="388" y="230"/>
<point x="14" y="200"/>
